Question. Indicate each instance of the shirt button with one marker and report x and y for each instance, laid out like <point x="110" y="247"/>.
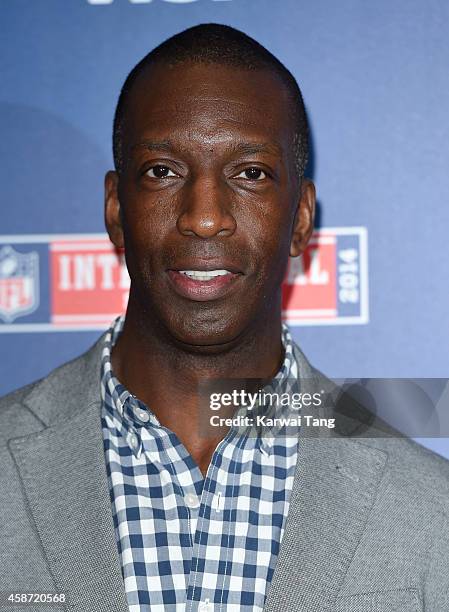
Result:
<point x="192" y="501"/>
<point x="133" y="441"/>
<point x="142" y="415"/>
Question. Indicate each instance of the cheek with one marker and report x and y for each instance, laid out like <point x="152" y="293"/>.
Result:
<point x="144" y="235"/>
<point x="268" y="235"/>
<point x="146" y="216"/>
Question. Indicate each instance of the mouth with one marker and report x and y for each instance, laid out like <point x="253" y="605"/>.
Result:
<point x="203" y="285"/>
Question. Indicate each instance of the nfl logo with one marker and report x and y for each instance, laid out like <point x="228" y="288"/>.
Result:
<point x="19" y="283"/>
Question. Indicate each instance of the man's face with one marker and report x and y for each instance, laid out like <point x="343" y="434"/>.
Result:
<point x="209" y="199"/>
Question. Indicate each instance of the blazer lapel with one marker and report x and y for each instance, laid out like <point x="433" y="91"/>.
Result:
<point x="335" y="485"/>
<point x="64" y="477"/>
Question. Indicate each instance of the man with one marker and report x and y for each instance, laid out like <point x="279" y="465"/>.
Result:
<point x="111" y="493"/>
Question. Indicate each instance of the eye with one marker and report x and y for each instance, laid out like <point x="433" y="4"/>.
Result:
<point x="159" y="171"/>
<point x="252" y="174"/>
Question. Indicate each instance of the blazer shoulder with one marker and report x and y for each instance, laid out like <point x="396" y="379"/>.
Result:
<point x="421" y="466"/>
<point x="37" y="404"/>
<point x="15" y="418"/>
<point x="417" y="469"/>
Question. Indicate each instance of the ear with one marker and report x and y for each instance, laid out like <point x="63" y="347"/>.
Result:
<point x="304" y="218"/>
<point x="112" y="211"/>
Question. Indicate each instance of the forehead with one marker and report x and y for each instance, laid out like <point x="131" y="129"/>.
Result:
<point x="209" y="103"/>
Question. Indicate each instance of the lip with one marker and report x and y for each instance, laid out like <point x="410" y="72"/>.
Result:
<point x="206" y="265"/>
<point x="203" y="291"/>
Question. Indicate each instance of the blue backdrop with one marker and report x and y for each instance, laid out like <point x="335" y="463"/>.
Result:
<point x="375" y="82"/>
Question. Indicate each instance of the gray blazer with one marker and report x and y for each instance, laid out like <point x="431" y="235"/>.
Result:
<point x="367" y="529"/>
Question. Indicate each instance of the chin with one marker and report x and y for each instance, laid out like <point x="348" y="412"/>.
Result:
<point x="206" y="336"/>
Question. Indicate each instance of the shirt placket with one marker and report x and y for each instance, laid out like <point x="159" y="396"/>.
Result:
<point x="186" y="481"/>
<point x="213" y="502"/>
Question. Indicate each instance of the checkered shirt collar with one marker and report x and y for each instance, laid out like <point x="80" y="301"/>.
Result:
<point x="123" y="402"/>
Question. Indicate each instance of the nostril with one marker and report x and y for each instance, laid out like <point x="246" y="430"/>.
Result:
<point x="206" y="223"/>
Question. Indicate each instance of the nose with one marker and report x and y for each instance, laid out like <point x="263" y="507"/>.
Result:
<point x="205" y="212"/>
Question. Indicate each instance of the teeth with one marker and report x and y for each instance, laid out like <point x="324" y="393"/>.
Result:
<point x="202" y="275"/>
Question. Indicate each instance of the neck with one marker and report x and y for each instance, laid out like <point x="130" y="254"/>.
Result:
<point x="165" y="374"/>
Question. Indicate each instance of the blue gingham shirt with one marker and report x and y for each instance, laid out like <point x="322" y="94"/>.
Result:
<point x="185" y="542"/>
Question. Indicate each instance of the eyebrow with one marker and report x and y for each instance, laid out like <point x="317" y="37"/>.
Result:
<point x="247" y="148"/>
<point x="252" y="147"/>
<point x="158" y="145"/>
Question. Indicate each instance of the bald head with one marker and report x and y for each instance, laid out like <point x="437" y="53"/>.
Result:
<point x="222" y="45"/>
